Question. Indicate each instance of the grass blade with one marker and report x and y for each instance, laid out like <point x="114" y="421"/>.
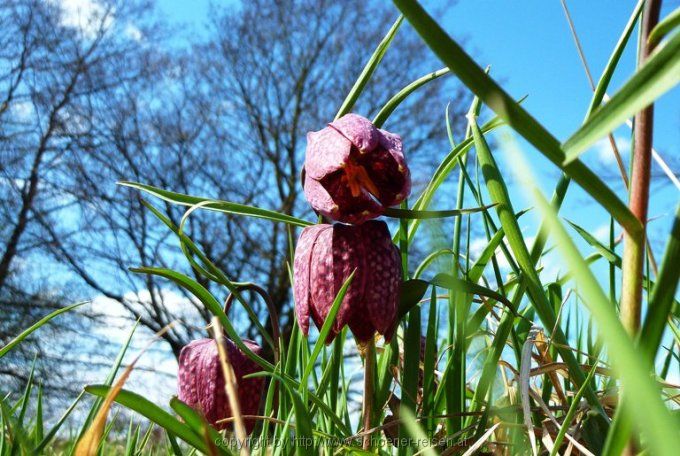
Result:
<point x="511" y="112"/>
<point x="211" y="304"/>
<point x="605" y="79"/>
<point x="663" y="294"/>
<point x="216" y="205"/>
<point x="654" y="419"/>
<point x="499" y="194"/>
<point x="325" y="330"/>
<point x="157" y="415"/>
<point x="664" y="27"/>
<point x="17" y="340"/>
<point x="400" y="96"/>
<point x="659" y="74"/>
<point x="368" y="70"/>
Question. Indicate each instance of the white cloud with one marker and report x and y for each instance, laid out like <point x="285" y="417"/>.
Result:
<point x="155" y="374"/>
<point x="87" y="16"/>
<point x="133" y="32"/>
<point x="23" y="111"/>
<point x="601" y="233"/>
<point x="605" y="153"/>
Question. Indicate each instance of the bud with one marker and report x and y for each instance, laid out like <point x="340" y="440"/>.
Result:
<point x="201" y="381"/>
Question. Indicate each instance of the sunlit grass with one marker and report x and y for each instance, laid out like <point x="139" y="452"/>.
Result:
<point x="510" y="363"/>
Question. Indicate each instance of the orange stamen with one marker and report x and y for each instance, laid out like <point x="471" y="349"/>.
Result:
<point x="358" y="178"/>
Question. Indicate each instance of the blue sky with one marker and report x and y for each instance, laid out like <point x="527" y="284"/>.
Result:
<point x="530" y="49"/>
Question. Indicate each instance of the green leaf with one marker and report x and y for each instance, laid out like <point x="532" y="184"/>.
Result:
<point x="303" y="423"/>
<point x="663" y="294"/>
<point x="368" y="70"/>
<point x="653" y="419"/>
<point x="511" y="112"/>
<point x="590" y="239"/>
<point x="450" y="282"/>
<point x="151" y="411"/>
<point x="664" y="27"/>
<point x="39" y="431"/>
<point x="660" y="73"/>
<point x="53" y="432"/>
<point x="573" y="408"/>
<point x="217" y="205"/>
<point x="417" y="438"/>
<point x="17" y="340"/>
<point x="421" y="215"/>
<point x="412" y="292"/>
<point x="613" y="62"/>
<point x="197" y="423"/>
<point x="499" y="194"/>
<point x="325" y="330"/>
<point x="441" y="173"/>
<point x="400" y="96"/>
<point x="211" y="304"/>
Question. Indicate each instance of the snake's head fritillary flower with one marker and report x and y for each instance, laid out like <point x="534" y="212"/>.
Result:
<point x="201" y="381"/>
<point x="325" y="257"/>
<point x="354" y="171"/>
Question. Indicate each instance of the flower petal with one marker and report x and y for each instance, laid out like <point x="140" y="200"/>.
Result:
<point x="319" y="198"/>
<point x="359" y="130"/>
<point x="301" y="285"/>
<point x="383" y="265"/>
<point x="345" y="206"/>
<point x="327" y="152"/>
<point x="387" y="169"/>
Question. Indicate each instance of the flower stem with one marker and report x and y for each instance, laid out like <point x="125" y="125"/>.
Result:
<point x="634" y="243"/>
<point x="369" y="382"/>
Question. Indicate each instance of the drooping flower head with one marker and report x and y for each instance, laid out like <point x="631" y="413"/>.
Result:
<point x="353" y="170"/>
<point x="325" y="257"/>
<point x="201" y="381"/>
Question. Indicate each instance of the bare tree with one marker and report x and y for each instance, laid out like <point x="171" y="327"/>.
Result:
<point x="226" y="118"/>
<point x="53" y="63"/>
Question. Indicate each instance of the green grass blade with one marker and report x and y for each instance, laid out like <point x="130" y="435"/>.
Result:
<point x="424" y="215"/>
<point x="400" y="96"/>
<point x="325" y="330"/>
<point x="654" y="419"/>
<point x="26" y="399"/>
<point x="664" y="27"/>
<point x="499" y="194"/>
<point x="217" y="205"/>
<point x="145" y="439"/>
<point x="416" y="435"/>
<point x="174" y="446"/>
<point x="131" y="440"/>
<point x="212" y="272"/>
<point x="613" y="62"/>
<point x="368" y="70"/>
<point x="660" y="73"/>
<point x="409" y="377"/>
<point x="196" y="422"/>
<point x="303" y="422"/>
<point x="573" y="408"/>
<point x="211" y="304"/>
<point x="511" y="112"/>
<point x="53" y="431"/>
<point x="152" y="412"/>
<point x="663" y="293"/>
<point x="108" y="381"/>
<point x="441" y="173"/>
<point x="17" y="340"/>
<point x="39" y="431"/>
